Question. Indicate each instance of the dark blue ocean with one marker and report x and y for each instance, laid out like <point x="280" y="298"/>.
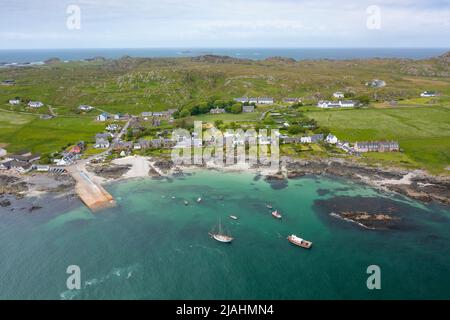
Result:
<point x="37" y="55"/>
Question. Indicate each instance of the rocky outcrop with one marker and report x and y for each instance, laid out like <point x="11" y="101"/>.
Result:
<point x="278" y="59"/>
<point x="52" y="61"/>
<point x="211" y="58"/>
<point x="5" y="203"/>
<point x="12" y="185"/>
<point x="164" y="165"/>
<point x="111" y="171"/>
<point x="367" y="220"/>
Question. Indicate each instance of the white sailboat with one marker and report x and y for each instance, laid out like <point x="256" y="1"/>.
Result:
<point x="220" y="235"/>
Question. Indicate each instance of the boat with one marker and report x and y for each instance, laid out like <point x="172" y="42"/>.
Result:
<point x="186" y="202"/>
<point x="276" y="214"/>
<point x="199" y="200"/>
<point x="268" y="206"/>
<point x="299" y="241"/>
<point x="220" y="235"/>
<point x="234" y="217"/>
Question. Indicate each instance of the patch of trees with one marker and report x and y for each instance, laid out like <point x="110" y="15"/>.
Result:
<point x="297" y="105"/>
<point x="205" y="108"/>
<point x="364" y="100"/>
<point x="296" y="129"/>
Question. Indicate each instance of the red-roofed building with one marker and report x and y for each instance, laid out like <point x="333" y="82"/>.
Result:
<point x="75" y="149"/>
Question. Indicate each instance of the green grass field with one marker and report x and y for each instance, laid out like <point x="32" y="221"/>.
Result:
<point x="423" y="132"/>
<point x="27" y="132"/>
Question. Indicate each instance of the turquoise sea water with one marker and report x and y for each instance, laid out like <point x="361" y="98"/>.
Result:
<point x="154" y="247"/>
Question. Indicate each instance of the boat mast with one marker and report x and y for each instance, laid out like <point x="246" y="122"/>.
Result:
<point x="220" y="227"/>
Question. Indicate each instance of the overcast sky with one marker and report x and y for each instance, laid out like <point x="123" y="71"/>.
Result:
<point x="225" y="23"/>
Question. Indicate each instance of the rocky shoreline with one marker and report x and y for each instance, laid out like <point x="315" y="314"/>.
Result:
<point x="417" y="185"/>
<point x="29" y="193"/>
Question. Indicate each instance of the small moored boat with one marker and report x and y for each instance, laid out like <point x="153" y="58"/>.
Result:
<point x="233" y="217"/>
<point x="268" y="206"/>
<point x="186" y="202"/>
<point x="199" y="200"/>
<point x="276" y="214"/>
<point x="299" y="241"/>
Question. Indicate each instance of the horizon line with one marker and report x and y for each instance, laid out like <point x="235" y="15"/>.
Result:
<point x="196" y="48"/>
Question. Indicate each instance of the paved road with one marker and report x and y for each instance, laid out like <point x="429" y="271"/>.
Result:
<point x="115" y="139"/>
<point x="263" y="115"/>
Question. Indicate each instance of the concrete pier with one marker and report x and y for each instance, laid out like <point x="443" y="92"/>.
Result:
<point x="94" y="196"/>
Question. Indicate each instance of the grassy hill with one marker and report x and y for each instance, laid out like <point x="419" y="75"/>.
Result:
<point x="134" y="85"/>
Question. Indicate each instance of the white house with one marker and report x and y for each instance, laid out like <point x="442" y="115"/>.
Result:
<point x="41" y="168"/>
<point x="253" y="100"/>
<point x="22" y="167"/>
<point x="247" y="109"/>
<point x="62" y="162"/>
<point x="35" y="104"/>
<point x="291" y="100"/>
<point x="305" y="140"/>
<point x="376" y="83"/>
<point x="265" y="100"/>
<point x="428" y="94"/>
<point x="85" y="107"/>
<point x="14" y="102"/>
<point x="331" y="139"/>
<point x="103" y="117"/>
<point x="160" y="114"/>
<point x="5" y="165"/>
<point x="101" y="143"/>
<point x="338" y="95"/>
<point x="339" y="104"/>
<point x="217" y="110"/>
<point x="328" y="104"/>
<point x="112" y="127"/>
<point x="347" y="103"/>
<point x="241" y="100"/>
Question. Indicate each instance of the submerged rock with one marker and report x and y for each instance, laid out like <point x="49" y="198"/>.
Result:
<point x="164" y="164"/>
<point x="34" y="208"/>
<point x="5" y="203"/>
<point x="372" y="213"/>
